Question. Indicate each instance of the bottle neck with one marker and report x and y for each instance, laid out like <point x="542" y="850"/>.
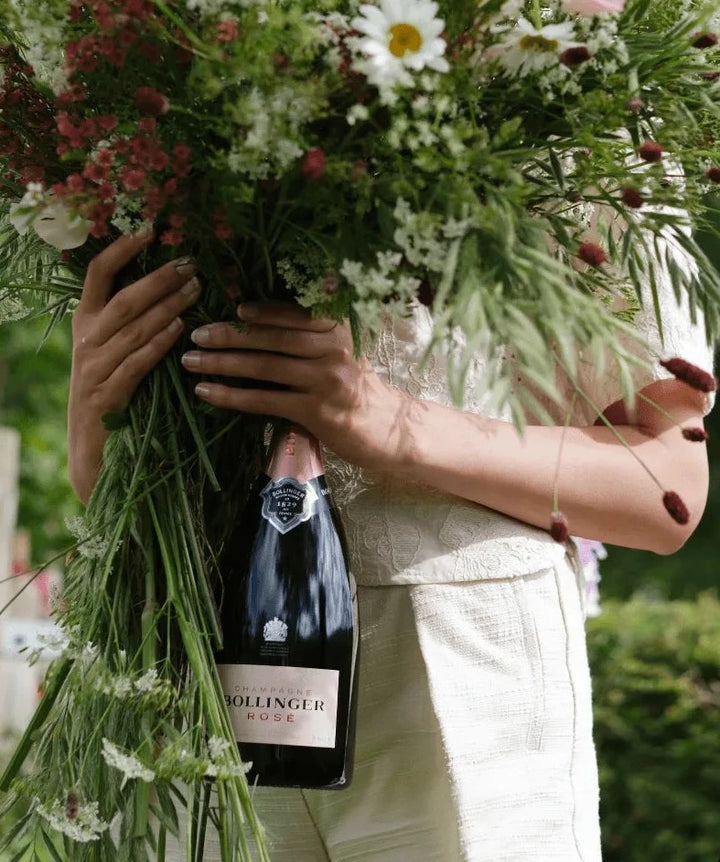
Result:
<point x="294" y="453"/>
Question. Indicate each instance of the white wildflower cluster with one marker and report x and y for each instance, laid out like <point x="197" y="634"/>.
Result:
<point x="128" y="217"/>
<point x="217" y="759"/>
<point x="83" y="824"/>
<point x="50" y="644"/>
<point x="357" y="113"/>
<point x="432" y="129"/>
<point x="128" y="764"/>
<point x="424" y="237"/>
<point x="12" y="308"/>
<point x="221" y="766"/>
<point x="90" y="544"/>
<point x="608" y="51"/>
<point x="44" y="38"/>
<point x="381" y="289"/>
<point x="64" y="642"/>
<point x="291" y="275"/>
<point x="331" y="29"/>
<point x="272" y="124"/>
<point x="148" y="687"/>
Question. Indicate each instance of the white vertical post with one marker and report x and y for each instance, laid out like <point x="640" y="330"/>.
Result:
<point x="18" y="681"/>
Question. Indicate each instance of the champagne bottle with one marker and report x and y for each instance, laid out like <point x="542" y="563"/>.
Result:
<point x="290" y="629"/>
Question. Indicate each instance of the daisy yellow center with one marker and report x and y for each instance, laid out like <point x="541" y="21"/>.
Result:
<point x="405" y="38"/>
<point x="538" y="43"/>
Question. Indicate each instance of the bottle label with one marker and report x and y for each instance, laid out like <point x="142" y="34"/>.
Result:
<point x="281" y="705"/>
<point x="288" y="503"/>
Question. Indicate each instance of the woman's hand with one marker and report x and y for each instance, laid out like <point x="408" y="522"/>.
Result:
<point x="117" y="340"/>
<point x="328" y="391"/>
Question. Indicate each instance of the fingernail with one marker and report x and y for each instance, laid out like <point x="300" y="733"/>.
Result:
<point x="203" y="390"/>
<point x="200" y="336"/>
<point x="248" y="312"/>
<point x="175" y="326"/>
<point x="191" y="360"/>
<point x="184" y="266"/>
<point x="191" y="288"/>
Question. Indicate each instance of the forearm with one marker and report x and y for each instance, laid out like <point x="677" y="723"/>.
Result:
<point x="603" y="490"/>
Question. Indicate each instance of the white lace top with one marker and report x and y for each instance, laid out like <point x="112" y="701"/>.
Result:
<point x="401" y="532"/>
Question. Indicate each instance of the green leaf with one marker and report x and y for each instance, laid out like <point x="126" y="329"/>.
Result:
<point x="7" y="840"/>
<point x="51" y="848"/>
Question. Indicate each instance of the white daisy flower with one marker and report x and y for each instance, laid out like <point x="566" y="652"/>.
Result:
<point x="526" y="49"/>
<point x="399" y="37"/>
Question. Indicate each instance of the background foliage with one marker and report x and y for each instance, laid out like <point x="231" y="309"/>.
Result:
<point x="656" y="681"/>
<point x="33" y="399"/>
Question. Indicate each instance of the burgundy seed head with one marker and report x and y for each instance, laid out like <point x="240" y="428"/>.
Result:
<point x="331" y="282"/>
<point x="590" y="253"/>
<point x="559" y="527"/>
<point x="696" y="377"/>
<point x="704" y="40"/>
<point x="632" y="198"/>
<point x="651" y="151"/>
<point x="677" y="510"/>
<point x="713" y="174"/>
<point x="575" y="56"/>
<point x="635" y="104"/>
<point x="696" y="435"/>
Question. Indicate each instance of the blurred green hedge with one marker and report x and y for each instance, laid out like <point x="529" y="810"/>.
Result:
<point x="656" y="690"/>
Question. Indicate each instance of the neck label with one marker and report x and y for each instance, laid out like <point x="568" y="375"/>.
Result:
<point x="288" y="503"/>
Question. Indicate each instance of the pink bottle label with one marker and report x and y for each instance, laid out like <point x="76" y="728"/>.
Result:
<point x="281" y="705"/>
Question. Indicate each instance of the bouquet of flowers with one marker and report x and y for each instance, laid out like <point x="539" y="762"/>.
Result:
<point x="357" y="159"/>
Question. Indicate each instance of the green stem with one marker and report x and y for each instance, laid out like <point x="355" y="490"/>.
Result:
<point x="536" y="14"/>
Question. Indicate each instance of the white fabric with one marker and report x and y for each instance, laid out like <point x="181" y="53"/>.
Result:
<point x="474" y="733"/>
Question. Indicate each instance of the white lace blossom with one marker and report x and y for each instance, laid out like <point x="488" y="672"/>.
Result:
<point x="128" y="764"/>
<point x="84" y="826"/>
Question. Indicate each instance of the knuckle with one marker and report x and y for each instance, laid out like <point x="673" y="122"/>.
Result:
<point x="344" y="354"/>
<point x="122" y="307"/>
<point x="336" y="375"/>
<point x="133" y="337"/>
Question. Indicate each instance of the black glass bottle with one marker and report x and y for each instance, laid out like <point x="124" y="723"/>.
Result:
<point x="290" y="627"/>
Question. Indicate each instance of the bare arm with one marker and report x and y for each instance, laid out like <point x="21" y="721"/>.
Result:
<point x="603" y="490"/>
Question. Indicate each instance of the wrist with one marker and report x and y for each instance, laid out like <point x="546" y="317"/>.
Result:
<point x="85" y="449"/>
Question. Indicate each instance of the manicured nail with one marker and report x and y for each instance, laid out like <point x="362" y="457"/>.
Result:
<point x="175" y="326"/>
<point x="191" y="360"/>
<point x="248" y="312"/>
<point x="191" y="288"/>
<point x="184" y="266"/>
<point x="200" y="336"/>
<point x="203" y="390"/>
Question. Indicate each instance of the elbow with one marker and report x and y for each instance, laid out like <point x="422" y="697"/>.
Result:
<point x="670" y="542"/>
<point x="669" y="535"/>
